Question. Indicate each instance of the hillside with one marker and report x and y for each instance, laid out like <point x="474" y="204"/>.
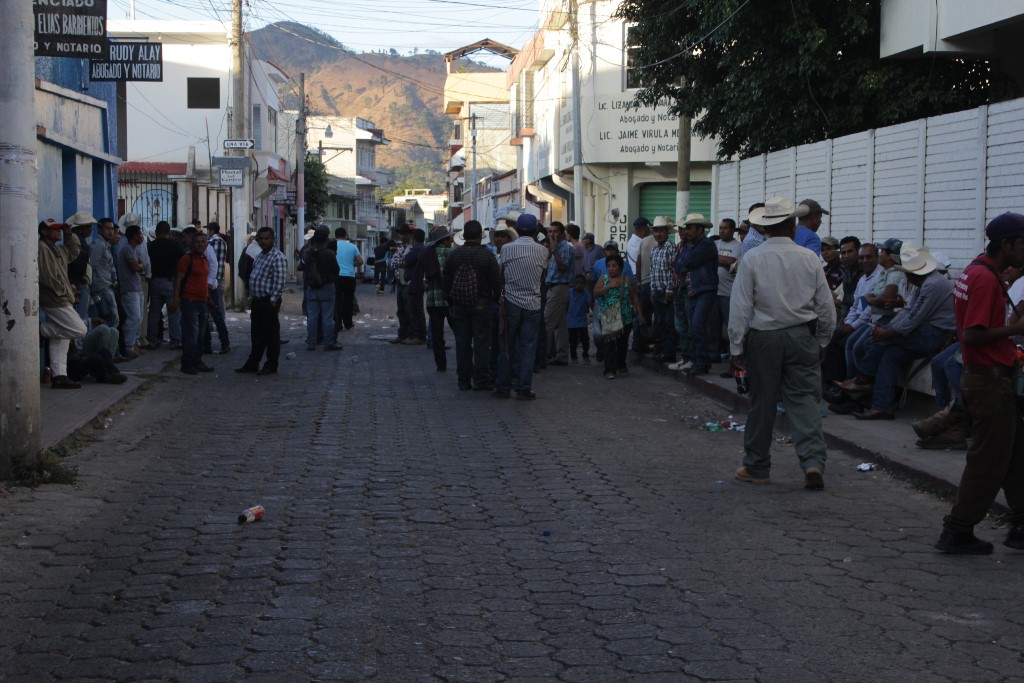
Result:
<point x="402" y="95"/>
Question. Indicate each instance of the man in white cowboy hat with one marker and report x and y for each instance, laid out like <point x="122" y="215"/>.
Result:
<point x="79" y="272"/>
<point x="642" y="341"/>
<point x="781" y="318"/>
<point x="698" y="263"/>
<point x="57" y="295"/>
<point x="925" y="325"/>
<point x="995" y="459"/>
<point x="660" y="290"/>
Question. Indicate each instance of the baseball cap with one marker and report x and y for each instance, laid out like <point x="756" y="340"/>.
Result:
<point x="611" y="243"/>
<point x="814" y="207"/>
<point x="830" y="241"/>
<point x="1005" y="226"/>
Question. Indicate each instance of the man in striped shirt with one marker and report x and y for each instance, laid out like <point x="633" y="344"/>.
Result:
<point x="522" y="265"/>
<point x="266" y="282"/>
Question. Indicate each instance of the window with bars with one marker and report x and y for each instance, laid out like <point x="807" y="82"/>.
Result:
<point x="630" y="47"/>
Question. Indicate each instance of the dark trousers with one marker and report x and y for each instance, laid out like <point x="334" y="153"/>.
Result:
<point x="193" y="318"/>
<point x="417" y="316"/>
<point x="640" y="337"/>
<point x="834" y="365"/>
<point x="344" y="298"/>
<point x="217" y="318"/>
<point x="665" y="326"/>
<point x="99" y="364"/>
<point x="995" y="459"/>
<point x="265" y="331"/>
<point x="438" y="315"/>
<point x="402" y="312"/>
<point x="492" y="364"/>
<point x="698" y="318"/>
<point x="472" y="328"/>
<point x="579" y="335"/>
<point x="615" y="350"/>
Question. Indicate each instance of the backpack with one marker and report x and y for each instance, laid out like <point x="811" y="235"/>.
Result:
<point x="465" y="290"/>
<point x="314" y="278"/>
<point x="245" y="264"/>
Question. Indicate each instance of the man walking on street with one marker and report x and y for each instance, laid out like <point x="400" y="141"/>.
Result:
<point x="522" y="267"/>
<point x="266" y="283"/>
<point x="320" y="274"/>
<point x="995" y="459"/>
<point x="397" y="266"/>
<point x="57" y="296"/>
<point x="192" y="297"/>
<point x="472" y="282"/>
<point x="349" y="259"/>
<point x="780" y="321"/>
<point x="560" y="273"/>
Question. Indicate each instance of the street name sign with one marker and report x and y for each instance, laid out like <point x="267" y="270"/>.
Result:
<point x="129" y="62"/>
<point x="70" y="28"/>
<point x="239" y="144"/>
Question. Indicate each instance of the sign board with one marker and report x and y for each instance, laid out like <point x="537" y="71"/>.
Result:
<point x="239" y="144"/>
<point x="70" y="28"/>
<point x="618" y="132"/>
<point x="129" y="62"/>
<point x="232" y="162"/>
<point x="232" y="177"/>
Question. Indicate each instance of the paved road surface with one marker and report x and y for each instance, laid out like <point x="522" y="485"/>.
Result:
<point x="418" y="533"/>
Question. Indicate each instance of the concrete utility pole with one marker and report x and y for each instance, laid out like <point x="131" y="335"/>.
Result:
<point x="577" y="126"/>
<point x="19" y="270"/>
<point x="300" y="162"/>
<point x="683" y="167"/>
<point x="241" y="205"/>
<point x="472" y="128"/>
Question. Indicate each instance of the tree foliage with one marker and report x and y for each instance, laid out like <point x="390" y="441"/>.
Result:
<point x="764" y="75"/>
<point x="317" y="192"/>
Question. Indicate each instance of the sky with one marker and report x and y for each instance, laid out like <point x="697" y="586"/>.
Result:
<point x="366" y="25"/>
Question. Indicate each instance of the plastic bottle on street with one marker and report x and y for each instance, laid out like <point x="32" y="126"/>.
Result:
<point x="741" y="382"/>
<point x="253" y="514"/>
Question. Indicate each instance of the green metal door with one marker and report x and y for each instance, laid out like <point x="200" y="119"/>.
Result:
<point x="659" y="199"/>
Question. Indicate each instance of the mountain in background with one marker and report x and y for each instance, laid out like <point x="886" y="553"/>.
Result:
<point x="403" y="95"/>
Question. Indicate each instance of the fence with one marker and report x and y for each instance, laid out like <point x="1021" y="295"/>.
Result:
<point x="150" y="195"/>
<point x="934" y="181"/>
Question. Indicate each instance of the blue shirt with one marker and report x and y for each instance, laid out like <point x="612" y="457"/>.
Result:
<point x="556" y="276"/>
<point x="600" y="268"/>
<point x="347" y="253"/>
<point x="578" y="306"/>
<point x="806" y="237"/>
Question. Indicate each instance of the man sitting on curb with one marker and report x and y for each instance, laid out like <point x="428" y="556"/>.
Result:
<point x="920" y="329"/>
<point x="57" y="295"/>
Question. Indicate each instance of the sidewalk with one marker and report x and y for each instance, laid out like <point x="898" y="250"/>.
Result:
<point x="888" y="444"/>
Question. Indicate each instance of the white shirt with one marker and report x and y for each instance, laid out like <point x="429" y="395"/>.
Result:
<point x="780" y="285"/>
<point x="632" y="249"/>
<point x="860" y="312"/>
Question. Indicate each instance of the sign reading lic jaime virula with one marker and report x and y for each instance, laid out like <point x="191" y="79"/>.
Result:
<point x="129" y="62"/>
<point x="70" y="28"/>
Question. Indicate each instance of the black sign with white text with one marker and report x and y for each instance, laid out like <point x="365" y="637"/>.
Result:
<point x="129" y="62"/>
<point x="70" y="28"/>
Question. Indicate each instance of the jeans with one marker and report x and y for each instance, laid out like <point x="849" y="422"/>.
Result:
<point x="161" y="293"/>
<point x="438" y="316"/>
<point x="265" y="331"/>
<point x="344" y="296"/>
<point x="946" y="376"/>
<point x="216" y="319"/>
<point x="682" y="326"/>
<point x="492" y="364"/>
<point x="84" y="301"/>
<point x="518" y="347"/>
<point x="320" y="314"/>
<point x="783" y="364"/>
<point x="698" y="318"/>
<point x="106" y="306"/>
<point x="417" y="316"/>
<point x="664" y="326"/>
<point x="556" y="320"/>
<point x="132" y="302"/>
<point x="193" y="317"/>
<point x="885" y="360"/>
<point x="402" y="312"/>
<point x="995" y="459"/>
<point x="472" y="328"/>
<point x="577" y="336"/>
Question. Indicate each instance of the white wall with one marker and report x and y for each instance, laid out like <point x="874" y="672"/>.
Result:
<point x="935" y="181"/>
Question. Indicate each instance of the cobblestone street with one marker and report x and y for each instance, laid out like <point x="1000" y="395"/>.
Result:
<point x="414" y="532"/>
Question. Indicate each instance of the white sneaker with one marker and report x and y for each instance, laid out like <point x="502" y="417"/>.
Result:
<point x="681" y="365"/>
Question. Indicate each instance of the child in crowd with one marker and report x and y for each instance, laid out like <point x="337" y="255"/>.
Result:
<point x="579" y="304"/>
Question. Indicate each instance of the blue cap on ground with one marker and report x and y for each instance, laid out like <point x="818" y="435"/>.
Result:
<point x="526" y="224"/>
<point x="1005" y="226"/>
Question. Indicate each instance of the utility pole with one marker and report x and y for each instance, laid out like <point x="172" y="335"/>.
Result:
<point x="241" y="206"/>
<point x="472" y="129"/>
<point x="577" y="126"/>
<point x="19" y="269"/>
<point x="683" y="165"/>
<point x="300" y="162"/>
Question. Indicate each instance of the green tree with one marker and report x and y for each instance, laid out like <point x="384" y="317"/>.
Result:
<point x="317" y="194"/>
<point x="764" y="75"/>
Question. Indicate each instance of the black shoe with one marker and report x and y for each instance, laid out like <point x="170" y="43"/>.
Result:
<point x="203" y="367"/>
<point x="1015" y="537"/>
<point x="333" y="347"/>
<point x="847" y="408"/>
<point x="247" y="369"/>
<point x="208" y="350"/>
<point x="190" y="370"/>
<point x="174" y="347"/>
<point x="267" y="371"/>
<point x="442" y="368"/>
<point x="225" y="349"/>
<point x="962" y="543"/>
<point x="697" y="370"/>
<point x="525" y="396"/>
<point x="497" y="393"/>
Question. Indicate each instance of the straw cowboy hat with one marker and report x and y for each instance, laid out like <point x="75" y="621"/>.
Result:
<point x="697" y="219"/>
<point x="916" y="260"/>
<point x="776" y="210"/>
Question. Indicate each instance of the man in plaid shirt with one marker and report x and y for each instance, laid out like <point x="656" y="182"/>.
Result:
<point x="663" y="292"/>
<point x="219" y="247"/>
<point x="265" y="286"/>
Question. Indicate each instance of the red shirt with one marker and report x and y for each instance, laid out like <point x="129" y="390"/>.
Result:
<point x="195" y="283"/>
<point x="979" y="300"/>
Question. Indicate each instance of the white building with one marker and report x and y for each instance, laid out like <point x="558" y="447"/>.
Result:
<point x="628" y="156"/>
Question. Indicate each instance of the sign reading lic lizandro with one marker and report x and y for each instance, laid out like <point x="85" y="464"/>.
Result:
<point x="70" y="28"/>
<point x="129" y="62"/>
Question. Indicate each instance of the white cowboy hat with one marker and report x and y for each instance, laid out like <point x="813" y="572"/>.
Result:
<point x="80" y="218"/>
<point x="696" y="219"/>
<point x="130" y="218"/>
<point x="916" y="260"/>
<point x="663" y="222"/>
<point x="776" y="210"/>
